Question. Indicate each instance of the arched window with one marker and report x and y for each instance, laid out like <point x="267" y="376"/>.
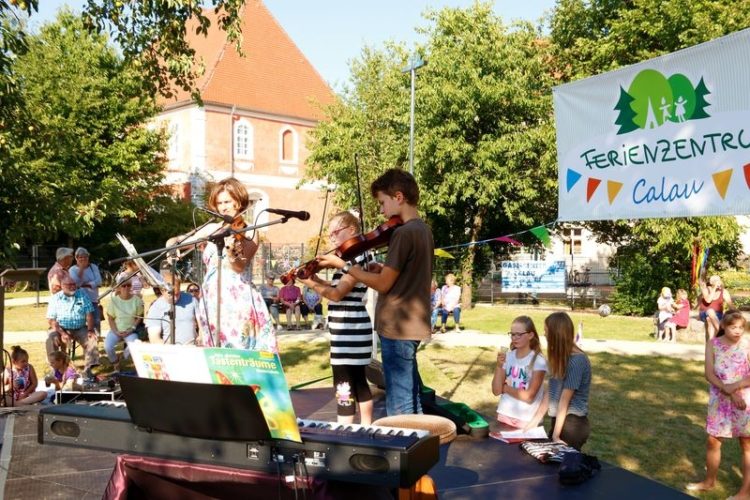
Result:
<point x="288" y="146"/>
<point x="243" y="139"/>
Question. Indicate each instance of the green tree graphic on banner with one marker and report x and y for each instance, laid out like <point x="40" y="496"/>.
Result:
<point x="626" y="115"/>
<point x="652" y="100"/>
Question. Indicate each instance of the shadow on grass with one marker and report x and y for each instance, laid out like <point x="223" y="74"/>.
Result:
<point x="648" y="415"/>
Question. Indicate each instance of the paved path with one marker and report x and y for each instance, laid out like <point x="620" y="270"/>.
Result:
<point x="469" y="338"/>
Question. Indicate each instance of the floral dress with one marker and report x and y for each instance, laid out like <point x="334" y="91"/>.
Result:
<point x="245" y="320"/>
<point x="21" y="380"/>
<point x="730" y="365"/>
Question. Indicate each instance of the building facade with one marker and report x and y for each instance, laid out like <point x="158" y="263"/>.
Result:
<point x="253" y="123"/>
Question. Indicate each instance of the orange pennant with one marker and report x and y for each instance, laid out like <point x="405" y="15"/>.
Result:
<point x="746" y="168"/>
<point x="613" y="188"/>
<point x="721" y="181"/>
<point x="591" y="187"/>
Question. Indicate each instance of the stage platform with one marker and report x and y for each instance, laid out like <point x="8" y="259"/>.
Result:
<point x="468" y="468"/>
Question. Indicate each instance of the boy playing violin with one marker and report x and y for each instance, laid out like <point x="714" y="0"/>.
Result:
<point x="402" y="313"/>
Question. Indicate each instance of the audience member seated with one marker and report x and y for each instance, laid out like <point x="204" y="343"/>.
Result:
<point x="88" y="279"/>
<point x="124" y="315"/>
<point x="711" y="304"/>
<point x="71" y="317"/>
<point x="270" y="294"/>
<point x="194" y="289"/>
<point x="64" y="374"/>
<point x="666" y="329"/>
<point x="290" y="297"/>
<point x="311" y="302"/>
<point x="136" y="280"/>
<point x="681" y="318"/>
<point x="435" y="304"/>
<point x="20" y="380"/>
<point x="158" y="321"/>
<point x="451" y="302"/>
<point x="59" y="269"/>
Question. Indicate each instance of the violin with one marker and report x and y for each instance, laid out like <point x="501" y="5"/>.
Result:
<point x="237" y="224"/>
<point x="349" y="249"/>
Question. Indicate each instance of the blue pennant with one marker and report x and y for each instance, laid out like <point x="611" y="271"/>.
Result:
<point x="573" y="177"/>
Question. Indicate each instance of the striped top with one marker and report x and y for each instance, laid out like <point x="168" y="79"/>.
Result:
<point x="577" y="379"/>
<point x="350" y="326"/>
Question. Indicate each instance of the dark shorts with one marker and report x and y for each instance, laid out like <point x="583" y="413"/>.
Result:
<point x="350" y="384"/>
<point x="575" y="431"/>
<point x="702" y="315"/>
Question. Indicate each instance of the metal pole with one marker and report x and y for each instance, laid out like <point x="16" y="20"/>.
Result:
<point x="411" y="123"/>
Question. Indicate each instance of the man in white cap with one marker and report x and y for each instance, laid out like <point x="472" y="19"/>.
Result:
<point x="59" y="270"/>
<point x="88" y="279"/>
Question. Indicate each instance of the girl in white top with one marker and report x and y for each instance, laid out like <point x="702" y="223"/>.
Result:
<point x="519" y="378"/>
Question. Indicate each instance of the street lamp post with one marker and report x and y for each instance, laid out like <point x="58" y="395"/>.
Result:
<point x="415" y="63"/>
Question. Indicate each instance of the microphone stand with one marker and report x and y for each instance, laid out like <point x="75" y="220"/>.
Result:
<point x="218" y="239"/>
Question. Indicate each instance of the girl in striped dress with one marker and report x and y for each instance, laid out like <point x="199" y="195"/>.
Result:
<point x="350" y="327"/>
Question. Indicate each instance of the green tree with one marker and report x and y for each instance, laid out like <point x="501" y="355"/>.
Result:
<point x="484" y="158"/>
<point x="83" y="151"/>
<point x="654" y="253"/>
<point x="151" y="35"/>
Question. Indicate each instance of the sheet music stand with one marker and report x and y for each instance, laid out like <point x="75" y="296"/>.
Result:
<point x="205" y="411"/>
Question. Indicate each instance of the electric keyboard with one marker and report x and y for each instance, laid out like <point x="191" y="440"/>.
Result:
<point x="375" y="455"/>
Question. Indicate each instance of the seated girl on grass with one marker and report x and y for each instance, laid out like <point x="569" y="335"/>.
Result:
<point x="65" y="374"/>
<point x="20" y="380"/>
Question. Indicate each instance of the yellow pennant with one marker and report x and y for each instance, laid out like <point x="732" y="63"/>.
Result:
<point x="613" y="188"/>
<point x="439" y="252"/>
<point x="721" y="181"/>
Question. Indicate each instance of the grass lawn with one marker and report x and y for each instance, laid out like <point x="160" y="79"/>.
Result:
<point x="489" y="319"/>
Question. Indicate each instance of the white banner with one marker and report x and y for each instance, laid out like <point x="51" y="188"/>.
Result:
<point x="669" y="137"/>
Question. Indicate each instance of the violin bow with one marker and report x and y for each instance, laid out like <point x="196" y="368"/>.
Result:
<point x="359" y="199"/>
<point x="322" y="221"/>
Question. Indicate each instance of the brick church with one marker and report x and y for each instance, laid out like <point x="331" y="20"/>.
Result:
<point x="254" y="122"/>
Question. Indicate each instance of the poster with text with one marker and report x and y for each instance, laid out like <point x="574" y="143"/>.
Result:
<point x="258" y="369"/>
<point x="668" y="137"/>
<point x="532" y="276"/>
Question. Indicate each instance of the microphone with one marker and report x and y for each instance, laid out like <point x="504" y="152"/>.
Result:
<point x="301" y="215"/>
<point x="226" y="218"/>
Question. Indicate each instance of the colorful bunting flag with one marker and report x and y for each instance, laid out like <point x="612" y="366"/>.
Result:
<point x="506" y="239"/>
<point x="613" y="188"/>
<point x="439" y="252"/>
<point x="572" y="178"/>
<point x="746" y="169"/>
<point x="591" y="187"/>
<point x="721" y="181"/>
<point x="542" y="233"/>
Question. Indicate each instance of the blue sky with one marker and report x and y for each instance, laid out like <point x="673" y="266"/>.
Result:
<point x="332" y="32"/>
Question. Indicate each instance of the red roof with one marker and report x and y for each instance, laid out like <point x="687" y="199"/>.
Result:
<point x="272" y="77"/>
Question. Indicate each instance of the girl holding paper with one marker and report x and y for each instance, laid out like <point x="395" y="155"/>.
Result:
<point x="519" y="378"/>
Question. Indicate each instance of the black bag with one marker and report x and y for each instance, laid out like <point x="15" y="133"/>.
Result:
<point x="577" y="467"/>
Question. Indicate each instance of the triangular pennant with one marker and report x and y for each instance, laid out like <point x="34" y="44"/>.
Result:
<point x="543" y="235"/>
<point x="571" y="179"/>
<point x="746" y="168"/>
<point x="506" y="239"/>
<point x="591" y="188"/>
<point x="721" y="181"/>
<point x="439" y="252"/>
<point x="613" y="188"/>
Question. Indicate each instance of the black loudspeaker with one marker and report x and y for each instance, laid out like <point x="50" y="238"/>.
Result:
<point x="369" y="463"/>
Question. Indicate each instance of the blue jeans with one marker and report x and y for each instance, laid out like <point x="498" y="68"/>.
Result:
<point x="402" y="382"/>
<point x="456" y="315"/>
<point x="433" y="318"/>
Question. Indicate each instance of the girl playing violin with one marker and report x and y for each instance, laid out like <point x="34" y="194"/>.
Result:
<point x="245" y="320"/>
<point x="350" y="326"/>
